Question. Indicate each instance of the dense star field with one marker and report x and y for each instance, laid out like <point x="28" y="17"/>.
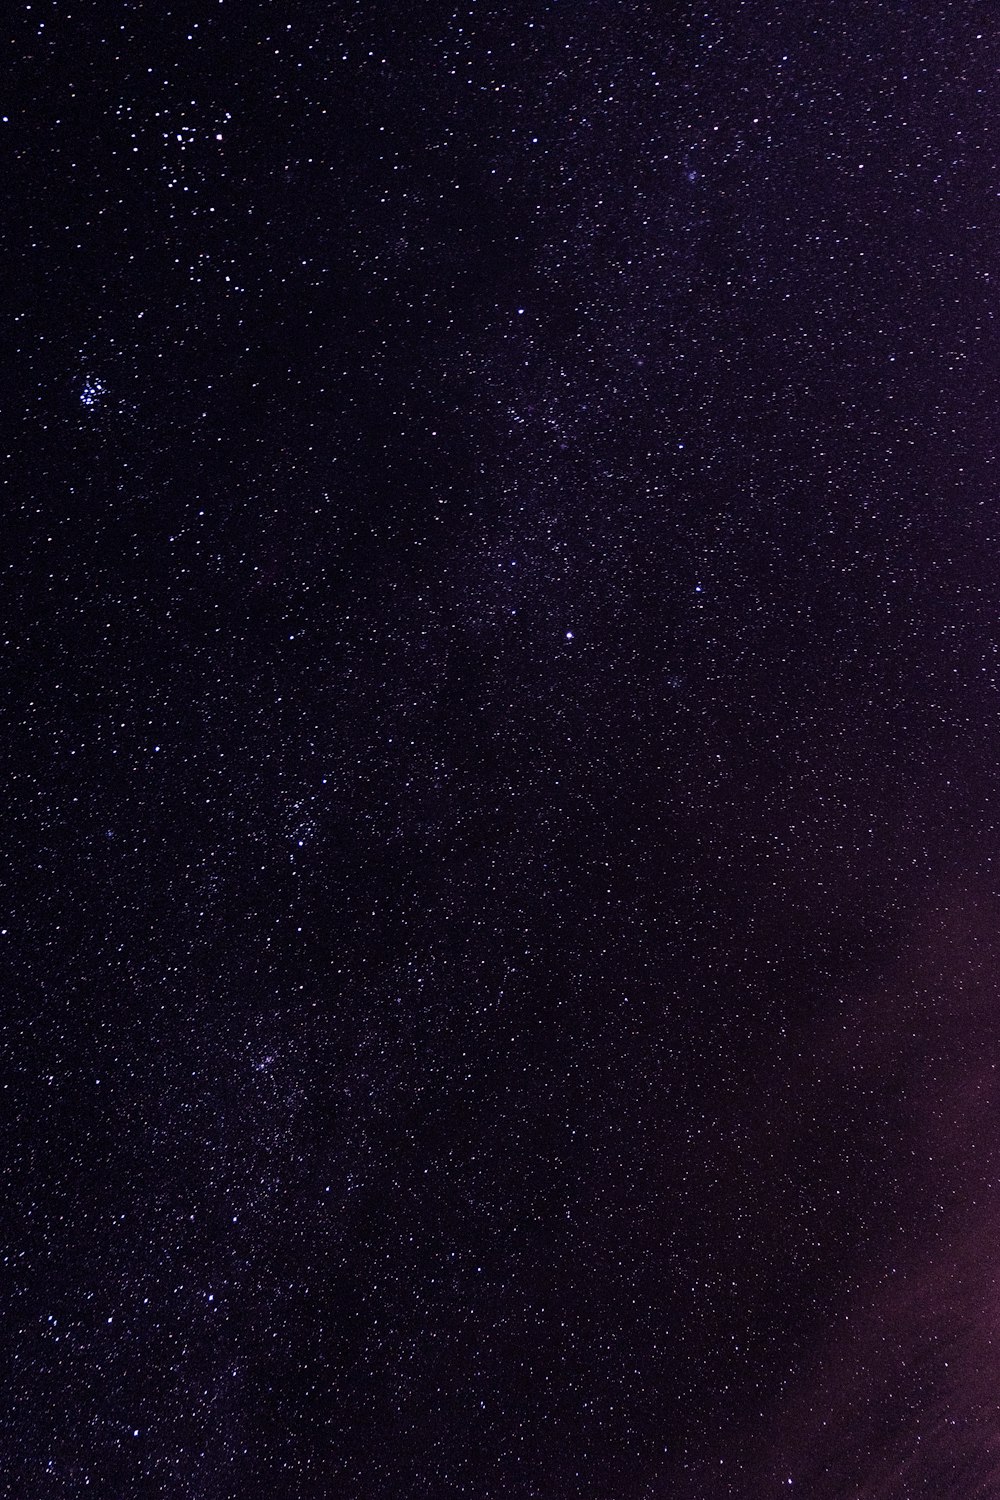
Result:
<point x="501" y="725"/>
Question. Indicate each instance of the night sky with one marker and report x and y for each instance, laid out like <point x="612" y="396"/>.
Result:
<point x="500" y="723"/>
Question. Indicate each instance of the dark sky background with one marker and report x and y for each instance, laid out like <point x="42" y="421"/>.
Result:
<point x="501" y="714"/>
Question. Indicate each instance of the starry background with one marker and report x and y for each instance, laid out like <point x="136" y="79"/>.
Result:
<point x="501" y="662"/>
